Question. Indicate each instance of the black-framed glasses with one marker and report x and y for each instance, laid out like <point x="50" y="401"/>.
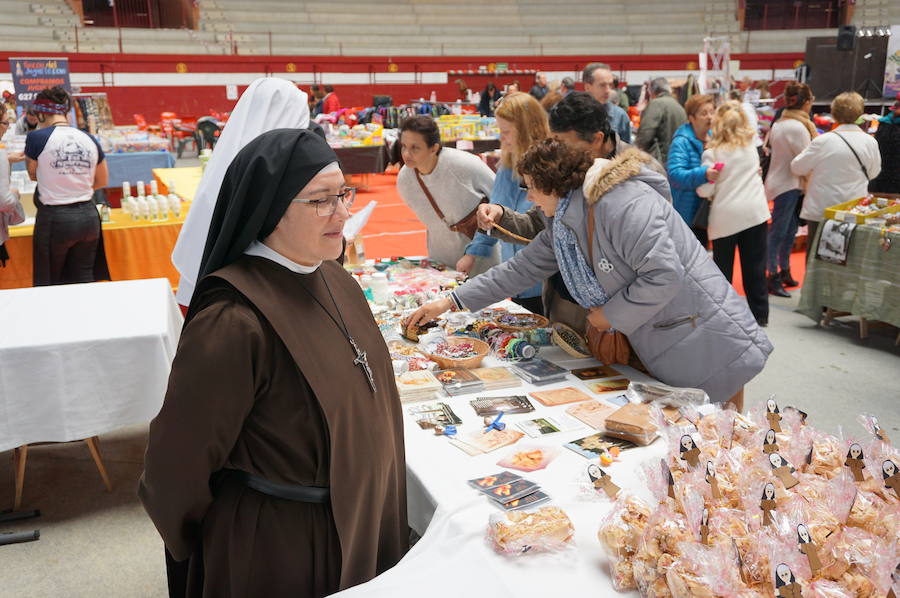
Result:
<point x="327" y="205"/>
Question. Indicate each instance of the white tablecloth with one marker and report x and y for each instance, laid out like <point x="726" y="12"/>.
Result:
<point x="81" y="360"/>
<point x="453" y="559"/>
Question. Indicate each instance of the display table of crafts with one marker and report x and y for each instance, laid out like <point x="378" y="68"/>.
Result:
<point x="868" y="285"/>
<point x="134" y="249"/>
<point x="452" y="517"/>
<point x="82" y="360"/>
<point x="719" y="505"/>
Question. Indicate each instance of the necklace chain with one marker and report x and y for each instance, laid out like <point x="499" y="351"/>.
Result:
<point x="361" y="359"/>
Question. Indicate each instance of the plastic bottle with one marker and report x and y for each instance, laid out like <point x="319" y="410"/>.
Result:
<point x="126" y="198"/>
<point x="174" y="201"/>
<point x="433" y="97"/>
<point x="381" y="292"/>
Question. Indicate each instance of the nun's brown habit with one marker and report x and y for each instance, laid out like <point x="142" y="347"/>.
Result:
<point x="264" y="382"/>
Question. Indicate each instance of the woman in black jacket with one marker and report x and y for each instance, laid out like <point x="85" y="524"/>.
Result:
<point x="888" y="138"/>
<point x="489" y="97"/>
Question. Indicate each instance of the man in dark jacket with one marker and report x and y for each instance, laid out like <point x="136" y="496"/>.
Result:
<point x="888" y="138"/>
<point x="580" y="121"/>
<point x="659" y="121"/>
<point x="539" y="90"/>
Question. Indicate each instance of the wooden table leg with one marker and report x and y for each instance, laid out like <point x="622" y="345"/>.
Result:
<point x="863" y="328"/>
<point x="20" y="455"/>
<point x="93" y="446"/>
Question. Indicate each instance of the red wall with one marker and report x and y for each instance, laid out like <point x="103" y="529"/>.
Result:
<point x="197" y="100"/>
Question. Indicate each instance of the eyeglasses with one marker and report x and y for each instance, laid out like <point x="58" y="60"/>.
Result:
<point x="327" y="205"/>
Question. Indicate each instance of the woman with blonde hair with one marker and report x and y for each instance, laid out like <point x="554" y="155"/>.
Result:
<point x="522" y="123"/>
<point x="739" y="212"/>
<point x="839" y="164"/>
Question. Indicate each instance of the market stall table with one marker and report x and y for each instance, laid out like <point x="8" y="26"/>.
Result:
<point x="131" y="167"/>
<point x="453" y="557"/>
<point x="868" y="286"/>
<point x="362" y="160"/>
<point x="134" y="250"/>
<point x="186" y="180"/>
<point x="82" y="360"/>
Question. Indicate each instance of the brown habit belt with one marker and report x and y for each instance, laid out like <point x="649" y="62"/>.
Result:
<point x="296" y="493"/>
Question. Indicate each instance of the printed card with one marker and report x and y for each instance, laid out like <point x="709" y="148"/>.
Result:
<point x="615" y="385"/>
<point x="560" y="396"/>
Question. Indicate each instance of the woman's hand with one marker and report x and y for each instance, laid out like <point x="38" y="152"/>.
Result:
<point x="465" y="264"/>
<point x="428" y="312"/>
<point x="14" y="157"/>
<point x="488" y="214"/>
<point x="597" y="319"/>
<point x="712" y="175"/>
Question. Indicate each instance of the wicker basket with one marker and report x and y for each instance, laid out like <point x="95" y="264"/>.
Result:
<point x="539" y="322"/>
<point x="445" y="363"/>
<point x="579" y="350"/>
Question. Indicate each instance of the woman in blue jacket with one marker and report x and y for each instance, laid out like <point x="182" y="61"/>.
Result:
<point x="686" y="171"/>
<point x="522" y="123"/>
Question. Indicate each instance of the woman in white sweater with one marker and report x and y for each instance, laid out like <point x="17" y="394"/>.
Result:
<point x="739" y="212"/>
<point x="789" y="136"/>
<point x="839" y="164"/>
<point x="11" y="211"/>
<point x="457" y="182"/>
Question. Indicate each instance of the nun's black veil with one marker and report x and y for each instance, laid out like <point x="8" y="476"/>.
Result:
<point x="257" y="189"/>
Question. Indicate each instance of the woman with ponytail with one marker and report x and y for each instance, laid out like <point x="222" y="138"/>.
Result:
<point x="789" y="136"/>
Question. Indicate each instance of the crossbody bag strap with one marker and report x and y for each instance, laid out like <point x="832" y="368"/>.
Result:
<point x="855" y="155"/>
<point x="591" y="234"/>
<point x="427" y="193"/>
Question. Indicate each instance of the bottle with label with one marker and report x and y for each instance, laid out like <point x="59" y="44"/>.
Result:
<point x="143" y="211"/>
<point x="174" y="201"/>
<point x="126" y="198"/>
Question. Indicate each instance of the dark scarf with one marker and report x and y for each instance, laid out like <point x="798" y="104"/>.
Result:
<point x="257" y="189"/>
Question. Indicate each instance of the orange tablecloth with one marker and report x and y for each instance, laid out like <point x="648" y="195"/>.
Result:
<point x="134" y="250"/>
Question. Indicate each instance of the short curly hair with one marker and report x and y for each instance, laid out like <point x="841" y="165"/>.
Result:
<point x="847" y="107"/>
<point x="554" y="167"/>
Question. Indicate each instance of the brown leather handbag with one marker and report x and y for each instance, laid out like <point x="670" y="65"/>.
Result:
<point x="467" y="226"/>
<point x="609" y="346"/>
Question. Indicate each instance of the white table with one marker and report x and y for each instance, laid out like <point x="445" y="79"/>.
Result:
<point x="81" y="360"/>
<point x="453" y="558"/>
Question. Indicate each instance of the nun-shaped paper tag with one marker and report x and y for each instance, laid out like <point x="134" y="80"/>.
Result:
<point x="891" y="475"/>
<point x="767" y="503"/>
<point x="601" y="481"/>
<point x="688" y="451"/>
<point x="786" y="585"/>
<point x="770" y="442"/>
<point x="667" y="476"/>
<point x="856" y="462"/>
<point x="783" y="470"/>
<point x="712" y="480"/>
<point x="704" y="527"/>
<point x="773" y="414"/>
<point x="808" y="547"/>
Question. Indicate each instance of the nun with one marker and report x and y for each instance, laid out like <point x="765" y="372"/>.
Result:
<point x="276" y="465"/>
<point x="267" y="104"/>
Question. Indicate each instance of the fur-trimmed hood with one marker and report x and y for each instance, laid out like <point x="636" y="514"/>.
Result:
<point x="605" y="174"/>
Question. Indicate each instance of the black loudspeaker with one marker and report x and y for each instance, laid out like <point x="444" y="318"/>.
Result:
<point x="846" y="39"/>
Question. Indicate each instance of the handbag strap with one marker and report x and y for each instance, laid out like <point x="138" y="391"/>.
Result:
<point x="855" y="155"/>
<point x="427" y="193"/>
<point x="591" y="234"/>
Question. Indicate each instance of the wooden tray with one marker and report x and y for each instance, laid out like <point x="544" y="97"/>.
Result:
<point x="579" y="350"/>
<point x="445" y="363"/>
<point x="538" y="322"/>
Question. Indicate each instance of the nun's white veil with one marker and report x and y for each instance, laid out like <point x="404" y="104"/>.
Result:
<point x="269" y="103"/>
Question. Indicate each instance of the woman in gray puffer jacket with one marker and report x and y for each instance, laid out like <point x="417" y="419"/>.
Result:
<point x="651" y="279"/>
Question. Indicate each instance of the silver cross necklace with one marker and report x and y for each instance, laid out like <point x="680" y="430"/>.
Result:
<point x="361" y="359"/>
